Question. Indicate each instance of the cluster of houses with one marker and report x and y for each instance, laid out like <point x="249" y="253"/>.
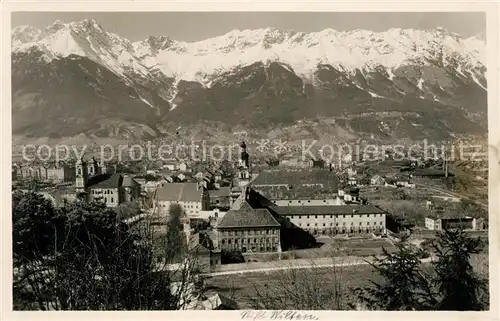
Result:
<point x="277" y="209"/>
<point x="53" y="172"/>
<point x="281" y="209"/>
<point x="276" y="212"/>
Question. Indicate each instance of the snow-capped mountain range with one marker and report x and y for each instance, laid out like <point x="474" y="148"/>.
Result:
<point x="193" y="61"/>
<point x="164" y="74"/>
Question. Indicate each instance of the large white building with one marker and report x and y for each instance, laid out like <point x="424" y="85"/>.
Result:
<point x="339" y="219"/>
<point x="192" y="197"/>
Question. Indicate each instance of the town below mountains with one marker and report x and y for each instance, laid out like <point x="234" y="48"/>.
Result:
<point x="237" y="235"/>
<point x="77" y="81"/>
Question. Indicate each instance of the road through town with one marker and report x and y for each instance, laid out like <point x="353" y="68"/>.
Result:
<point x="262" y="267"/>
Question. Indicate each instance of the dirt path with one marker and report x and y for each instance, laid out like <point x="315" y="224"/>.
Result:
<point x="259" y="267"/>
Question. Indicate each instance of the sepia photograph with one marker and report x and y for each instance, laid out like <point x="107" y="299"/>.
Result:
<point x="275" y="163"/>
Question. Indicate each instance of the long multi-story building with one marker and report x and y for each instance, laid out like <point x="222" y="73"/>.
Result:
<point x="256" y="224"/>
<point x="288" y="208"/>
<point x="337" y="219"/>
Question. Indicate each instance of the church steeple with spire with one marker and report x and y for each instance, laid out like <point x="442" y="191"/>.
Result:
<point x="244" y="173"/>
<point x="81" y="175"/>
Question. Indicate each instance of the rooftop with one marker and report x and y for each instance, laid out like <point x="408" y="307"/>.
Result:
<point x="184" y="192"/>
<point x="128" y="181"/>
<point x="196" y="244"/>
<point x="224" y="191"/>
<point x="327" y="210"/>
<point x="320" y="177"/>
<point x="246" y="216"/>
<point x="105" y="181"/>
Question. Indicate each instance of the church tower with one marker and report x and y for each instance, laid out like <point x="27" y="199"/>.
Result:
<point x="104" y="169"/>
<point x="81" y="175"/>
<point x="244" y="174"/>
<point x="93" y="168"/>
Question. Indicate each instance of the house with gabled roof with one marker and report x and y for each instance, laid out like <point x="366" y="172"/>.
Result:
<point x="201" y="247"/>
<point x="247" y="229"/>
<point x="377" y="180"/>
<point x="192" y="197"/>
<point x="220" y="198"/>
<point x="112" y="189"/>
<point x="181" y="177"/>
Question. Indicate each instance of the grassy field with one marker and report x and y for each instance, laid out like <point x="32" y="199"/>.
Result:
<point x="308" y="289"/>
<point x="321" y="282"/>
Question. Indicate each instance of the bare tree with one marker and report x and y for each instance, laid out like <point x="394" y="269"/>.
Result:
<point x="311" y="288"/>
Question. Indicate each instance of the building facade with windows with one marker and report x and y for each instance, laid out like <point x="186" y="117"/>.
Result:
<point x="248" y="229"/>
<point x="332" y="220"/>
<point x="52" y="173"/>
<point x="192" y="197"/>
<point x="112" y="189"/>
<point x="60" y="174"/>
<point x="466" y="223"/>
<point x="108" y="191"/>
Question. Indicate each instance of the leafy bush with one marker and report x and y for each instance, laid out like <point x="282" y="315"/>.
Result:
<point x="231" y="256"/>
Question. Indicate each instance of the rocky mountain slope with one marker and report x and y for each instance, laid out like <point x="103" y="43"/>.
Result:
<point x="74" y="78"/>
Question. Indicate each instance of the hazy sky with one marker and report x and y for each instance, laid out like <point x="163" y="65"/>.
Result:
<point x="192" y="26"/>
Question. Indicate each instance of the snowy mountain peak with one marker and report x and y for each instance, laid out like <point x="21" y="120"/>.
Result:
<point x="25" y="34"/>
<point x="159" y="42"/>
<point x="55" y="27"/>
<point x="196" y="61"/>
<point x="82" y="25"/>
<point x="115" y="87"/>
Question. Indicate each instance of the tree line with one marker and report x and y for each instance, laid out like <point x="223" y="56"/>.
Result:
<point x="81" y="257"/>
